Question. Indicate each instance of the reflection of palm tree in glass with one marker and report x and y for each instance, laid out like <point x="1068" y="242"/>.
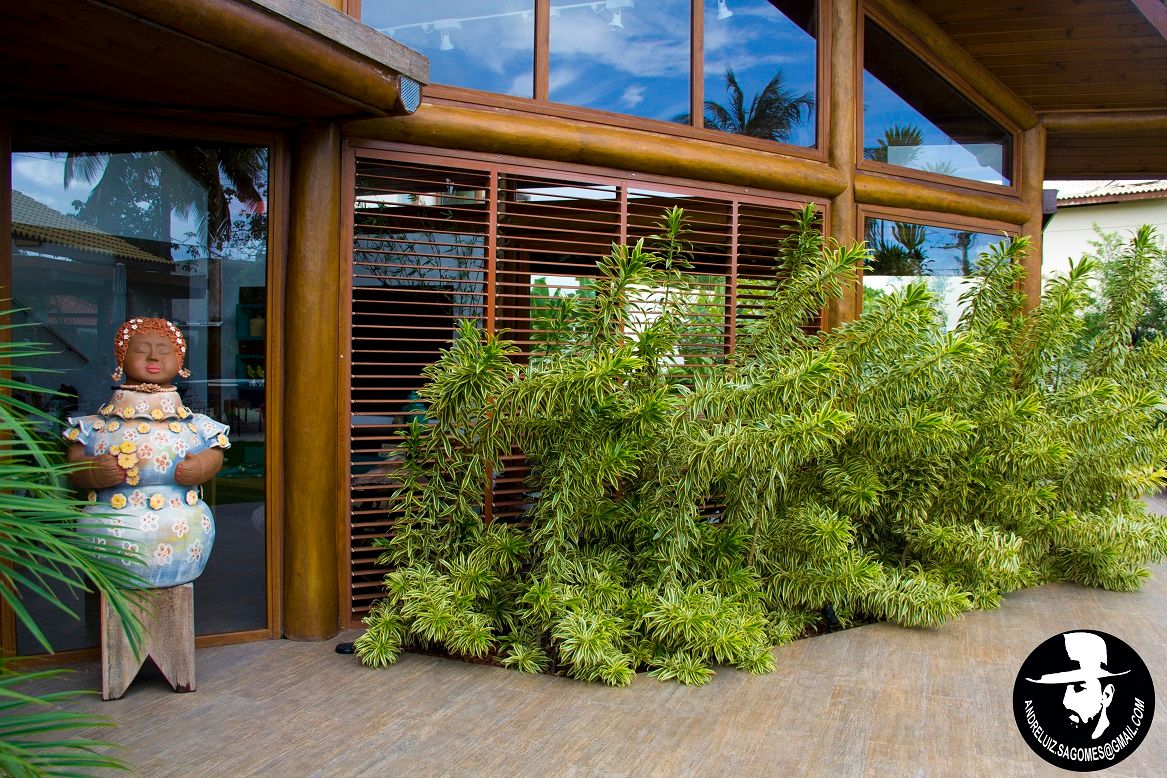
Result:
<point x="774" y="112"/>
<point x="135" y="193"/>
<point x="906" y="139"/>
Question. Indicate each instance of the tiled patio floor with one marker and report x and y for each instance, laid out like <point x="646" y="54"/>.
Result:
<point x="877" y="700"/>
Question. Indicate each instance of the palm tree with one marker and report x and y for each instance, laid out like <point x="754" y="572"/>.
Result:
<point x="45" y="559"/>
<point x="773" y="113"/>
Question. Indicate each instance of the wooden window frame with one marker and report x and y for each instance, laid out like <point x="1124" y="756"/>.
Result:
<point x="871" y="9"/>
<point x="279" y="180"/>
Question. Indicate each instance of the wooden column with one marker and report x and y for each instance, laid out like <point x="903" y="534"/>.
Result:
<point x="1032" y="179"/>
<point x="310" y="481"/>
<point x="5" y="211"/>
<point x="843" y="119"/>
<point x="7" y="618"/>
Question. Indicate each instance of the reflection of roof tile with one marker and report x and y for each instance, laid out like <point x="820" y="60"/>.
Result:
<point x="36" y="221"/>
<point x="1098" y="192"/>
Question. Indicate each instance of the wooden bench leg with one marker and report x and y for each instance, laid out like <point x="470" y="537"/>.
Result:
<point x="167" y="617"/>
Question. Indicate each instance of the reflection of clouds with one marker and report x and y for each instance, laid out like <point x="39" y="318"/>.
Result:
<point x="43" y="179"/>
<point x="652" y="44"/>
<point x="633" y="95"/>
<point x="522" y="85"/>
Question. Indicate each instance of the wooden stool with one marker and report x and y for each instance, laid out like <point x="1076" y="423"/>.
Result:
<point x="167" y="617"/>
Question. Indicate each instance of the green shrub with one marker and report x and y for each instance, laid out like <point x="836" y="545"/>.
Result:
<point x="887" y="469"/>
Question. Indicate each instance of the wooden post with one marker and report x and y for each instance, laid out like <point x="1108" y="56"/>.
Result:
<point x="842" y="121"/>
<point x="167" y="617"/>
<point x="1032" y="180"/>
<point x="312" y="513"/>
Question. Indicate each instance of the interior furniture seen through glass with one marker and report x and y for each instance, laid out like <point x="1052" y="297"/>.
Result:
<point x="915" y="119"/>
<point x="178" y="233"/>
<point x="904" y="252"/>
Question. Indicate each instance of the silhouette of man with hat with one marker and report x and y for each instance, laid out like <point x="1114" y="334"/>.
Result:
<point x="1086" y="699"/>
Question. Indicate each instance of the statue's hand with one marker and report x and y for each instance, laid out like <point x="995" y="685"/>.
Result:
<point x="189" y="471"/>
<point x="104" y="472"/>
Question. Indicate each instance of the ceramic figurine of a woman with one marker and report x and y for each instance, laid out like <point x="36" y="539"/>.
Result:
<point x="148" y="455"/>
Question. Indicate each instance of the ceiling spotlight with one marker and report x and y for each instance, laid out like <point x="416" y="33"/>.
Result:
<point x="444" y="26"/>
<point x="617" y="23"/>
<point x="723" y="11"/>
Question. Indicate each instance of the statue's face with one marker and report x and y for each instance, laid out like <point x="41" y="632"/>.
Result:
<point x="151" y="359"/>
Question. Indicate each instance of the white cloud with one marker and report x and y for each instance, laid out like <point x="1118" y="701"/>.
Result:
<point x="43" y="178"/>
<point x="633" y="95"/>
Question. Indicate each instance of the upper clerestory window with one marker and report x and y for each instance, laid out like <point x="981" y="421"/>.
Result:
<point x="750" y="69"/>
<point x="913" y="118"/>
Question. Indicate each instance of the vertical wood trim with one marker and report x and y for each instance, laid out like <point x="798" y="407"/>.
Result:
<point x="731" y="296"/>
<point x="488" y="323"/>
<point x="279" y="177"/>
<point x="312" y="302"/>
<point x="697" y="63"/>
<point x="348" y="190"/>
<point x="843" y="138"/>
<point x="7" y="618"/>
<point x="352" y="8"/>
<point x="542" y="62"/>
<point x="491" y="268"/>
<point x="1033" y="150"/>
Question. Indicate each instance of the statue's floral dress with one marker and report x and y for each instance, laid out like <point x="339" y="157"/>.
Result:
<point x="150" y="516"/>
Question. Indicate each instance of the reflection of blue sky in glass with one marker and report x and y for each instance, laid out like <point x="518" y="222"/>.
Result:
<point x="41" y="176"/>
<point x="922" y="120"/>
<point x="479" y="44"/>
<point x="944" y="258"/>
<point x="938" y="153"/>
<point x="641" y="68"/>
<point x="756" y="41"/>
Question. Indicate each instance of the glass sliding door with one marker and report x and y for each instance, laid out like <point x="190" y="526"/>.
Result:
<point x="178" y="233"/>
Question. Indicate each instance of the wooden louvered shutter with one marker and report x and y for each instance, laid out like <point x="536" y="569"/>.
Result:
<point x="436" y="241"/>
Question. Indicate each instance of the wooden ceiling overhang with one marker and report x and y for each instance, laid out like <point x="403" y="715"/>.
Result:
<point x="1094" y="72"/>
<point x="268" y="63"/>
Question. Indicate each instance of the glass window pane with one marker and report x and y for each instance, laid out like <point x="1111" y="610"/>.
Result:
<point x="903" y="252"/>
<point x="479" y="44"/>
<point x="760" y="68"/>
<point x="180" y="234"/>
<point x="621" y="56"/>
<point x="914" y="118"/>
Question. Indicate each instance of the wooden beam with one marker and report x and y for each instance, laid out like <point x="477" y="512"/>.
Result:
<point x="249" y="29"/>
<point x="844" y="72"/>
<point x="1156" y="13"/>
<point x="312" y="373"/>
<point x="1032" y="178"/>
<point x="977" y="78"/>
<point x="892" y="192"/>
<point x="564" y="140"/>
<point x="1071" y="122"/>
